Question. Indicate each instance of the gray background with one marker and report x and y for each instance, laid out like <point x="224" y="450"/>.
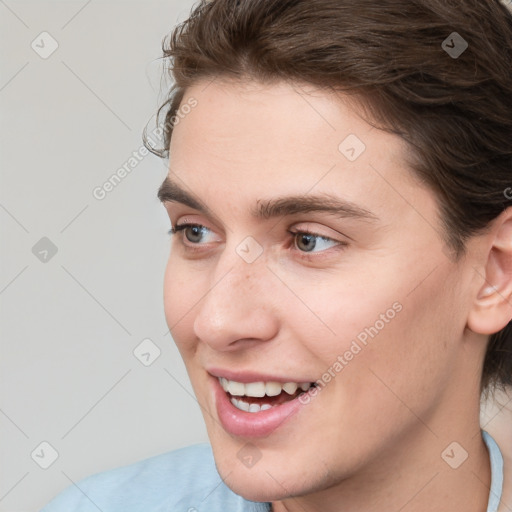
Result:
<point x="70" y="324"/>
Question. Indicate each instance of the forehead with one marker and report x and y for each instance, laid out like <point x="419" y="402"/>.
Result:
<point x="256" y="139"/>
<point x="241" y="118"/>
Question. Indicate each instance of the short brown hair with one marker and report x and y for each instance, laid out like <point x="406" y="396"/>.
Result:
<point x="454" y="111"/>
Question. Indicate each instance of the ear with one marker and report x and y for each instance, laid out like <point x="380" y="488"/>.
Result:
<point x="492" y="307"/>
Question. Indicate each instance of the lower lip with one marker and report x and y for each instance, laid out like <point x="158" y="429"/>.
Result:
<point x="252" y="424"/>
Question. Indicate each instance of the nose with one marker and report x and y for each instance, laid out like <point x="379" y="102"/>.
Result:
<point x="238" y="310"/>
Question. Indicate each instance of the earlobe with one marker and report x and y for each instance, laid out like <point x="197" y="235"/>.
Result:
<point x="492" y="307"/>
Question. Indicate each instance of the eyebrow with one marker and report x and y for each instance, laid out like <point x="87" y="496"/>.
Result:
<point x="170" y="191"/>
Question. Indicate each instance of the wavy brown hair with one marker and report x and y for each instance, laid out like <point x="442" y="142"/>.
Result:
<point x="455" y="112"/>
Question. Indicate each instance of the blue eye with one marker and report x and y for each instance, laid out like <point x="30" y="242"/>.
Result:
<point x="308" y="242"/>
<point x="194" y="233"/>
<point x="303" y="241"/>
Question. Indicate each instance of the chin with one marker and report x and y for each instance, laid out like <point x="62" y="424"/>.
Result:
<point x="262" y="487"/>
<point x="268" y="481"/>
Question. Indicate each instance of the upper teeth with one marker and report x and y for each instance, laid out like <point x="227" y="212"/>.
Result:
<point x="259" y="389"/>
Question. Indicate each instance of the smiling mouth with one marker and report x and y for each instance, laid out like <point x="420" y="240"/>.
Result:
<point x="260" y="396"/>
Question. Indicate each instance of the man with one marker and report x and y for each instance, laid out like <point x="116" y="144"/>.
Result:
<point x="340" y="279"/>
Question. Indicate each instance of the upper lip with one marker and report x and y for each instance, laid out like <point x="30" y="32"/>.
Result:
<point x="247" y="376"/>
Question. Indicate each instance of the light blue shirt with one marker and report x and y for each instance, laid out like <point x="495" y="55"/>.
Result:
<point x="186" y="480"/>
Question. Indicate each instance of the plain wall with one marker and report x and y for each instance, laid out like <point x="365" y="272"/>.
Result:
<point x="70" y="324"/>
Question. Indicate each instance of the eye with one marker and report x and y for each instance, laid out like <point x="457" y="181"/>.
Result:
<point x="194" y="233"/>
<point x="306" y="241"/>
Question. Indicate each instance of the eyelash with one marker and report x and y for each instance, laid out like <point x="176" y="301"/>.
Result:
<point x="305" y="255"/>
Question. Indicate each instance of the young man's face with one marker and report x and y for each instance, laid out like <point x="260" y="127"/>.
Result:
<point x="283" y="284"/>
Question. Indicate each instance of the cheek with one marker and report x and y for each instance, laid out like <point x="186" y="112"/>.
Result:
<point x="383" y="339"/>
<point x="408" y="359"/>
<point x="343" y="317"/>
<point x="179" y="301"/>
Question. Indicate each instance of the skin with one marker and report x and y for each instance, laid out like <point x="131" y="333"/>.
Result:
<point x="372" y="439"/>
